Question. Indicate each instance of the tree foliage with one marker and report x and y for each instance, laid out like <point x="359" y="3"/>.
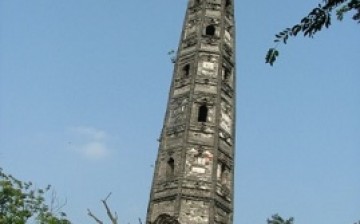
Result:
<point x="277" y="219"/>
<point x="315" y="21"/>
<point x="21" y="202"/>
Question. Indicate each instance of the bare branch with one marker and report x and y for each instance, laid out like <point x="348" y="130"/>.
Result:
<point x="55" y="204"/>
<point x="107" y="197"/>
<point x="112" y="217"/>
<point x="94" y="217"/>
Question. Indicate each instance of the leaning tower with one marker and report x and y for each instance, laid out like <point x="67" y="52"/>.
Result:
<point x="193" y="181"/>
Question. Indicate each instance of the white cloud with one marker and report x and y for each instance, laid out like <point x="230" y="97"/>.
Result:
<point x="95" y="150"/>
<point x="90" y="132"/>
<point x="89" y="142"/>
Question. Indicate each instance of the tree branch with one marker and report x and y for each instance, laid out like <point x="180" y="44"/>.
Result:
<point x="94" y="217"/>
<point x="315" y="21"/>
<point x="112" y="217"/>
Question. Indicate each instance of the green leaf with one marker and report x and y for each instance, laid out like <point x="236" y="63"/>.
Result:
<point x="271" y="56"/>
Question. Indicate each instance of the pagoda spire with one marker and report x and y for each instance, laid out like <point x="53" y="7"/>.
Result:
<point x="193" y="181"/>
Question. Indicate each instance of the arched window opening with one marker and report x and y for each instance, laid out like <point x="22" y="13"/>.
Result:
<point x="186" y="71"/>
<point x="210" y="30"/>
<point x="226" y="75"/>
<point x="223" y="173"/>
<point x="196" y="2"/>
<point x="166" y="218"/>
<point x="220" y="170"/>
<point x="227" y="3"/>
<point x="170" y="168"/>
<point x="203" y="113"/>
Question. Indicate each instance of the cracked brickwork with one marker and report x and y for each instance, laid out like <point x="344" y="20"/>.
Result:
<point x="194" y="172"/>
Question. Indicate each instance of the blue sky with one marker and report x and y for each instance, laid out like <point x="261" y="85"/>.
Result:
<point x="83" y="91"/>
